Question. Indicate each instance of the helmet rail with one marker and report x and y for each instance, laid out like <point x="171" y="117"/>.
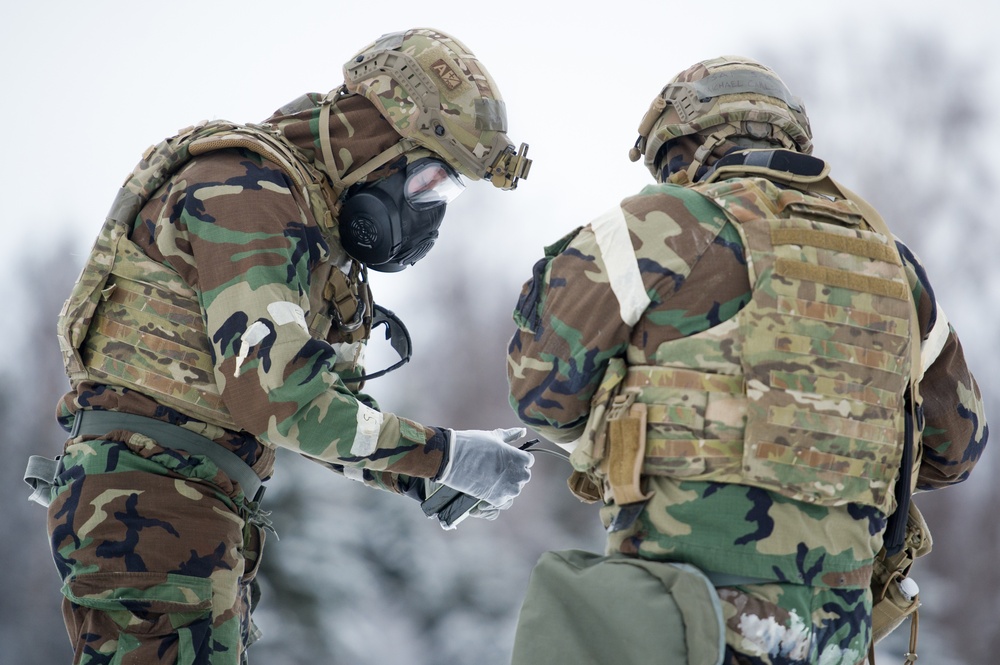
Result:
<point x="435" y="92"/>
<point x="726" y="96"/>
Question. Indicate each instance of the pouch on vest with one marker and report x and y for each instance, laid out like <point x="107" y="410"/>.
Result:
<point x="890" y="582"/>
<point x="581" y="608"/>
<point x="626" y="449"/>
<point x="589" y="450"/>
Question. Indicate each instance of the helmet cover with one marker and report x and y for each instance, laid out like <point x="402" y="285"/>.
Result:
<point x="434" y="91"/>
<point x="732" y="94"/>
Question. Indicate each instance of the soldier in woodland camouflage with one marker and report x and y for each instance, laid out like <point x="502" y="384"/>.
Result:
<point x="773" y="339"/>
<point x="224" y="313"/>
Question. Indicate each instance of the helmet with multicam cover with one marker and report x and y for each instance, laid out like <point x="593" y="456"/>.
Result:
<point x="439" y="96"/>
<point x="723" y="97"/>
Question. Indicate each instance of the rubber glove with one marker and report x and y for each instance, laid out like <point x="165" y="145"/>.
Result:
<point x="483" y="465"/>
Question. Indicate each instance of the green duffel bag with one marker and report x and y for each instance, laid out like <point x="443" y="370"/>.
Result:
<point x="583" y="608"/>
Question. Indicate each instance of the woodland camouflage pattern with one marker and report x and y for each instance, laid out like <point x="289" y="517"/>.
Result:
<point x="159" y="574"/>
<point x="157" y="548"/>
<point x="693" y="267"/>
<point x="234" y="234"/>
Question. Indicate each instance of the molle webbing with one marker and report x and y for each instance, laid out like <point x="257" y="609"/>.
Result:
<point x="134" y="322"/>
<point x="153" y="341"/>
<point x="805" y="393"/>
<point x="844" y="279"/>
<point x="825" y="347"/>
<point x="687" y="434"/>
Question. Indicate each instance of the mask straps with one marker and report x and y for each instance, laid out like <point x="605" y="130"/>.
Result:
<point x="341" y="185"/>
<point x="324" y="142"/>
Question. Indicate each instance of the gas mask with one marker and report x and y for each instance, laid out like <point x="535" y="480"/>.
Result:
<point x="393" y="223"/>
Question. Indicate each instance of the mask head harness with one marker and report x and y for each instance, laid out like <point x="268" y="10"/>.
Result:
<point x="393" y="223"/>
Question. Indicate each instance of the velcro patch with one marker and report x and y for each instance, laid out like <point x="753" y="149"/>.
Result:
<point x="448" y="76"/>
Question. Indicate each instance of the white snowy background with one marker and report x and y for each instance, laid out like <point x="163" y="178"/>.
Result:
<point x="902" y="97"/>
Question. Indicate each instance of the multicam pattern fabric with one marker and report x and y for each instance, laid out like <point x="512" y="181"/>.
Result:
<point x="826" y="344"/>
<point x="133" y="322"/>
<point x="437" y="93"/>
<point x="810" y="373"/>
<point x="749" y="100"/>
<point x="232" y="246"/>
<point x="256" y="277"/>
<point x="693" y="269"/>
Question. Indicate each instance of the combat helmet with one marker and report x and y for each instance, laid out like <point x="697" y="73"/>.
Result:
<point x="439" y="97"/>
<point x="729" y="96"/>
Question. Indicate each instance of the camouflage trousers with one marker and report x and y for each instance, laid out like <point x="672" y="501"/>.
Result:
<point x="789" y="624"/>
<point x="156" y="553"/>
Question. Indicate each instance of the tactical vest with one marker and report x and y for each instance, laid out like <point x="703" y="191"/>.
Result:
<point x="133" y="322"/>
<point x="802" y="392"/>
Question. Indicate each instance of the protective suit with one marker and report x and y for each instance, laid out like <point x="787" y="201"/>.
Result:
<point x="224" y="313"/>
<point x="735" y="358"/>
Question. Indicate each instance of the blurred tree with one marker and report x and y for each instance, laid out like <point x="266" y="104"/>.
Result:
<point x="902" y="121"/>
<point x="31" y="627"/>
<point x="913" y="154"/>
<point x="360" y="576"/>
<point x="364" y="573"/>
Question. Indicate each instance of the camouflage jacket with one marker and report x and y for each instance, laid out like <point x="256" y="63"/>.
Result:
<point x="692" y="264"/>
<point x="243" y="238"/>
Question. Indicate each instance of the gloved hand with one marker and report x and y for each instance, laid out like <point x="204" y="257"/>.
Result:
<point x="483" y="465"/>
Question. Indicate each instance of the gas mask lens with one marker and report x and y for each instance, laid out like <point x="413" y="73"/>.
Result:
<point x="430" y="182"/>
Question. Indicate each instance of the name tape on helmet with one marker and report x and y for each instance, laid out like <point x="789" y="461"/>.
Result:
<point x="734" y="82"/>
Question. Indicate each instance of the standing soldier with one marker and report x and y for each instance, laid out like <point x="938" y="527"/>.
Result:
<point x="738" y="358"/>
<point x="224" y="312"/>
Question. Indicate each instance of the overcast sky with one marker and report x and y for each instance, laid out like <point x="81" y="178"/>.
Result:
<point x="88" y="86"/>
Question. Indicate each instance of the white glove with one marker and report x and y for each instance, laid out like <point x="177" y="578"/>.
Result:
<point x="481" y="464"/>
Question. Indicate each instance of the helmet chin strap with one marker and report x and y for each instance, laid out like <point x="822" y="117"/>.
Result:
<point x="705" y="150"/>
<point x="342" y="184"/>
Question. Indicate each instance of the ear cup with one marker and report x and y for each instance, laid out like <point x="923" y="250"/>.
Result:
<point x="369" y="226"/>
